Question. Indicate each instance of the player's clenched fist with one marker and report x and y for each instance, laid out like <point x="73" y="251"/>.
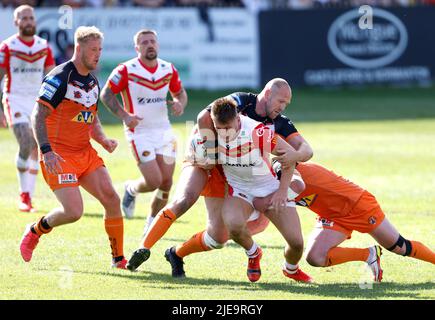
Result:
<point x="131" y="121"/>
<point x="109" y="144"/>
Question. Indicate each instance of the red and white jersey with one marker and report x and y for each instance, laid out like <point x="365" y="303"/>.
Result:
<point x="245" y="160"/>
<point x="144" y="91"/>
<point x="25" y="63"/>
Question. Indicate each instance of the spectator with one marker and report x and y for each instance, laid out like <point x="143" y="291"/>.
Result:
<point x="66" y="55"/>
<point x="148" y="3"/>
<point x="74" y="3"/>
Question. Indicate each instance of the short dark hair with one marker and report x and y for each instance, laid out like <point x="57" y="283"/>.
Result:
<point x="224" y="109"/>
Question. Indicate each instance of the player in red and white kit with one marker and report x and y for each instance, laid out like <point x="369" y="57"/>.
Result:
<point x="143" y="83"/>
<point x="24" y="59"/>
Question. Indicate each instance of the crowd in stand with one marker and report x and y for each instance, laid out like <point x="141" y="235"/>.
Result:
<point x="250" y="4"/>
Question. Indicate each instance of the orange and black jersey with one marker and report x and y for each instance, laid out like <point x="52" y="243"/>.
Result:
<point x="73" y="99"/>
<point x="326" y="193"/>
<point x="246" y="103"/>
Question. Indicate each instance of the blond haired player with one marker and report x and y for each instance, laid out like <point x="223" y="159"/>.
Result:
<point x="24" y="59"/>
<point x="64" y="121"/>
<point x="143" y="83"/>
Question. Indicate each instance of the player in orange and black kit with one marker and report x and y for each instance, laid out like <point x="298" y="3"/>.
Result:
<point x="64" y="121"/>
<point x="343" y="207"/>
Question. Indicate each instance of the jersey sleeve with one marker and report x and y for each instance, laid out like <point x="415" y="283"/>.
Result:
<point x="4" y="56"/>
<point x="175" y="85"/>
<point x="49" y="61"/>
<point x="264" y="139"/>
<point x="118" y="79"/>
<point x="285" y="127"/>
<point x="52" y="91"/>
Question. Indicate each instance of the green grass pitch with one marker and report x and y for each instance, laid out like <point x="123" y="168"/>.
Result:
<point x="382" y="139"/>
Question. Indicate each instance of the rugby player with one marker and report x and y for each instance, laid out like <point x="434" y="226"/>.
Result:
<point x="143" y="83"/>
<point x="64" y="121"/>
<point x="24" y="59"/>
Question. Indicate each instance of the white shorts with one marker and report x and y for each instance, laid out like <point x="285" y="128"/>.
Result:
<point x="18" y="109"/>
<point x="145" y="147"/>
<point x="249" y="198"/>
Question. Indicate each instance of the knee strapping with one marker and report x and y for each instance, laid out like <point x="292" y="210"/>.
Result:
<point x="162" y="195"/>
<point x="211" y="243"/>
<point x="21" y="163"/>
<point x="399" y="243"/>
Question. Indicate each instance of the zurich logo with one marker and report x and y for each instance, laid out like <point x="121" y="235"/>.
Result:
<point x="367" y="48"/>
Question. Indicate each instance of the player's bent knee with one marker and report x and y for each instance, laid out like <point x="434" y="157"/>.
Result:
<point x="166" y="184"/>
<point x="212" y="243"/>
<point x="315" y="259"/>
<point x="297" y="246"/>
<point x="74" y="215"/>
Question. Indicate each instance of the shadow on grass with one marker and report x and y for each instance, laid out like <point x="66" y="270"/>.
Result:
<point x="330" y="290"/>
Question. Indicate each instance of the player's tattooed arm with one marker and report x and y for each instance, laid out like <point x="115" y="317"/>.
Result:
<point x="40" y="113"/>
<point x="2" y="73"/>
<point x="112" y="103"/>
<point x="98" y="135"/>
<point x="50" y="158"/>
<point x="3" y="122"/>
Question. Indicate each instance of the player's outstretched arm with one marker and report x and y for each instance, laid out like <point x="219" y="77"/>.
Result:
<point x="111" y="102"/>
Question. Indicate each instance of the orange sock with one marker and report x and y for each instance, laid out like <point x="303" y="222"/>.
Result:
<point x="40" y="227"/>
<point x="162" y="222"/>
<point x="421" y="252"/>
<point x="194" y="244"/>
<point x="115" y="231"/>
<point x="341" y="255"/>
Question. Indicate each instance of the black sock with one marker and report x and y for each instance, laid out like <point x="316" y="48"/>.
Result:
<point x="44" y="224"/>
<point x="117" y="259"/>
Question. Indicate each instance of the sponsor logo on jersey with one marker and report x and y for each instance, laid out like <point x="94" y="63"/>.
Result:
<point x="325" y="222"/>
<point x="84" y="117"/>
<point x="26" y="70"/>
<point x="17" y="114"/>
<point x="77" y="94"/>
<point x="65" y="178"/>
<point x="372" y="220"/>
<point x="54" y="81"/>
<point x="260" y="131"/>
<point x="146" y="153"/>
<point x="116" y="77"/>
<point x="47" y="91"/>
<point x="240" y="165"/>
<point x="307" y="201"/>
<point x="142" y="100"/>
<point x="242" y="195"/>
